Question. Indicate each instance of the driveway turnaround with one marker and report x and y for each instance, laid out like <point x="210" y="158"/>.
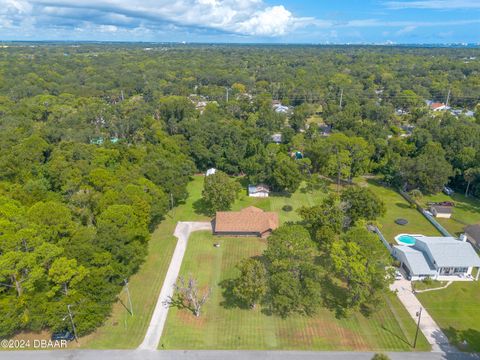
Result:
<point x="428" y="326"/>
<point x="155" y="329"/>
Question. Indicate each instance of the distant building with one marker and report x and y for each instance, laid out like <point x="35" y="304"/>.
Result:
<point x="260" y="190"/>
<point x="437" y="106"/>
<point x="441" y="211"/>
<point x="279" y="108"/>
<point x="210" y="171"/>
<point x="250" y="221"/>
<point x="277" y="138"/>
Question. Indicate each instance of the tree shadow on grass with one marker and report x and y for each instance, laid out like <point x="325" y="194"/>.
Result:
<point x="465" y="340"/>
<point x="200" y="207"/>
<point x="335" y="298"/>
<point x="403" y="205"/>
<point x="402" y="339"/>
<point x="230" y="301"/>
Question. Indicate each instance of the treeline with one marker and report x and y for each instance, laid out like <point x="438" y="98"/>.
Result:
<point x="75" y="221"/>
<point x="97" y="142"/>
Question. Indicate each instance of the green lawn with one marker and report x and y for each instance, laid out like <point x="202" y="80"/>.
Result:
<point x="465" y="212"/>
<point x="398" y="207"/>
<point x="456" y="309"/>
<point x="276" y="202"/>
<point x="122" y="331"/>
<point x="224" y="327"/>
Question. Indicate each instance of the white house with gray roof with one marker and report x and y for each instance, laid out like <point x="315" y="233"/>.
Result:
<point x="443" y="258"/>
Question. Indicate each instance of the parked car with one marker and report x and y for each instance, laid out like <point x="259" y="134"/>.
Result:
<point x="63" y="335"/>
<point x="447" y="190"/>
<point x="398" y="275"/>
<point x="428" y="212"/>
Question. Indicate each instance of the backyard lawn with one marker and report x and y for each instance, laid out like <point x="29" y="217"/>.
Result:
<point x="398" y="207"/>
<point x="465" y="212"/>
<point x="221" y="326"/>
<point x="456" y="309"/>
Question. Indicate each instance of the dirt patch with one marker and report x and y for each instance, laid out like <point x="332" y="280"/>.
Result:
<point x="187" y="318"/>
<point x="329" y="333"/>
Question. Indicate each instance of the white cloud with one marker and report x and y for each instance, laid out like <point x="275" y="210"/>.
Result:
<point x="247" y="17"/>
<point x="434" y="4"/>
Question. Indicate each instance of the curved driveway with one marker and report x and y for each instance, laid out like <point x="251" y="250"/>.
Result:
<point x="155" y="329"/>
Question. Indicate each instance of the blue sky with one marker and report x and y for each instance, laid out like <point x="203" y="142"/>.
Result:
<point x="272" y="21"/>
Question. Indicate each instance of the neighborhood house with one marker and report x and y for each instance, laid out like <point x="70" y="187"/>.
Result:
<point x="472" y="232"/>
<point x="260" y="190"/>
<point x="210" y="171"/>
<point x="441" y="258"/>
<point x="250" y="221"/>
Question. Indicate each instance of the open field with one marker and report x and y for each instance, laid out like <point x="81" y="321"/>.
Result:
<point x="398" y="207"/>
<point x="122" y="331"/>
<point x="222" y="326"/>
<point x="465" y="212"/>
<point x="456" y="309"/>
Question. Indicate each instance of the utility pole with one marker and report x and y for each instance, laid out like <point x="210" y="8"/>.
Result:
<point x="419" y="314"/>
<point x="73" y="324"/>
<point x="129" y="299"/>
<point x="123" y="97"/>
<point x="341" y="98"/>
<point x="227" y="92"/>
<point x="448" y="98"/>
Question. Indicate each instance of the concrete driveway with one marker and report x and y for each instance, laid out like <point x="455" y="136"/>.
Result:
<point x="155" y="329"/>
<point x="428" y="326"/>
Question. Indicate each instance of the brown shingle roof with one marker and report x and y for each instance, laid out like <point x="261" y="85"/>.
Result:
<point x="474" y="232"/>
<point x="248" y="220"/>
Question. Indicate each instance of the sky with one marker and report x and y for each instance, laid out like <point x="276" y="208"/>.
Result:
<point x="243" y="21"/>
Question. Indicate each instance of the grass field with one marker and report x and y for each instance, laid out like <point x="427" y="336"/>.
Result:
<point x="398" y="207"/>
<point x="122" y="331"/>
<point x="456" y="309"/>
<point x="222" y="327"/>
<point x="465" y="212"/>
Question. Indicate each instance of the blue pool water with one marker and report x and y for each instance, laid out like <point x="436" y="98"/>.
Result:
<point x="406" y="239"/>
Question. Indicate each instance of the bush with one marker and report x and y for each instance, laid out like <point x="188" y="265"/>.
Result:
<point x="380" y="357"/>
<point x="287" y="208"/>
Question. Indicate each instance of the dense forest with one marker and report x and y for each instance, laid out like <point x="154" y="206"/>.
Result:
<point x="99" y="141"/>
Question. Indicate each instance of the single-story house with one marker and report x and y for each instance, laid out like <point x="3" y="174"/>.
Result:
<point x="260" y="190"/>
<point x="210" y="171"/>
<point x="441" y="211"/>
<point x="250" y="221"/>
<point x="437" y="106"/>
<point x="437" y="257"/>
<point x="472" y="232"/>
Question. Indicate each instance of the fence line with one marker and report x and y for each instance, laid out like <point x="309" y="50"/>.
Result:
<point x="432" y="220"/>
<point x="377" y="231"/>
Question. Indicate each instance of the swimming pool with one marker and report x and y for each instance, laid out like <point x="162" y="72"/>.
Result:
<point x="406" y="239"/>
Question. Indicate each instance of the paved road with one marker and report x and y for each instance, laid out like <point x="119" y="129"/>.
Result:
<point x="222" y="355"/>
<point x="155" y="329"/>
<point x="428" y="326"/>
